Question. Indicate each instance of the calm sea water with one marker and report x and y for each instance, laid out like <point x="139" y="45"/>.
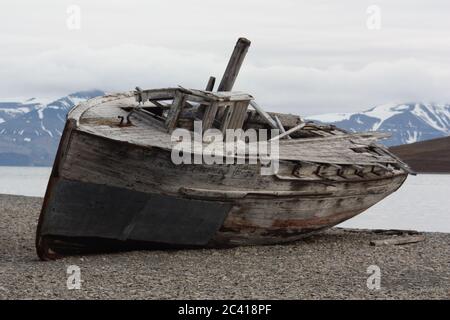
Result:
<point x="422" y="203"/>
<point x="25" y="181"/>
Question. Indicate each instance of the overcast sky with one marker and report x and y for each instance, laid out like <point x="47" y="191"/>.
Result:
<point x="306" y="57"/>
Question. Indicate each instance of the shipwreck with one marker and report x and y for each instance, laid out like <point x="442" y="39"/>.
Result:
<point x="114" y="184"/>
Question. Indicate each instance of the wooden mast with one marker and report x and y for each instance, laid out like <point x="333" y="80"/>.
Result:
<point x="232" y="70"/>
<point x="234" y="64"/>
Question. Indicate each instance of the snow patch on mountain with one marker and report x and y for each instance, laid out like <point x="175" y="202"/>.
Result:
<point x="331" y="117"/>
<point x="28" y="101"/>
<point x="406" y="122"/>
<point x="40" y="121"/>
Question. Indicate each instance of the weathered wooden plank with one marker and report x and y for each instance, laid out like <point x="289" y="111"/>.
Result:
<point x="174" y="112"/>
<point x="209" y="116"/>
<point x="365" y="137"/>
<point x="222" y="96"/>
<point x="264" y="115"/>
<point x="209" y="87"/>
<point x="98" y="160"/>
<point x="398" y="240"/>
<point x="234" y="116"/>
<point x="239" y="194"/>
<point x="242" y="114"/>
<point x="234" y="65"/>
<point x="158" y="94"/>
<point x="77" y="112"/>
<point x="138" y="95"/>
<point x="288" y="120"/>
<point x="280" y="126"/>
<point x="256" y="221"/>
<point x="286" y="133"/>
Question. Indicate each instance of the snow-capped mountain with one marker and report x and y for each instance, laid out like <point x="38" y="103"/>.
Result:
<point x="30" y="129"/>
<point x="406" y="122"/>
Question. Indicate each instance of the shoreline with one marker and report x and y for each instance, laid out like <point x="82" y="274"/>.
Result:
<point x="329" y="265"/>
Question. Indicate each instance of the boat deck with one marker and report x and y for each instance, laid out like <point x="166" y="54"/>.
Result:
<point x="101" y="116"/>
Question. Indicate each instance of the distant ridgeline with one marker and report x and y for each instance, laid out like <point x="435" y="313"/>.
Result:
<point x="407" y="123"/>
<point x="30" y="129"/>
<point x="431" y="156"/>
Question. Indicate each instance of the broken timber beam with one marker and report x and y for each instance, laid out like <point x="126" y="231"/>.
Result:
<point x="280" y="125"/>
<point x="275" y="124"/>
<point x="264" y="114"/>
<point x="296" y="128"/>
<point x="209" y="87"/>
<point x="234" y="65"/>
<point x="174" y="112"/>
<point x="398" y="240"/>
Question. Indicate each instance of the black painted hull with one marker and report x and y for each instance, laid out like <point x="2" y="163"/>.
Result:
<point x="88" y="210"/>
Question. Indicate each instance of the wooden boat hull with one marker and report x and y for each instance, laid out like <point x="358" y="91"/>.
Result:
<point x="107" y="194"/>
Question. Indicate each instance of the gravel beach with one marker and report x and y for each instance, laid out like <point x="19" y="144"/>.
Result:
<point x="329" y="265"/>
